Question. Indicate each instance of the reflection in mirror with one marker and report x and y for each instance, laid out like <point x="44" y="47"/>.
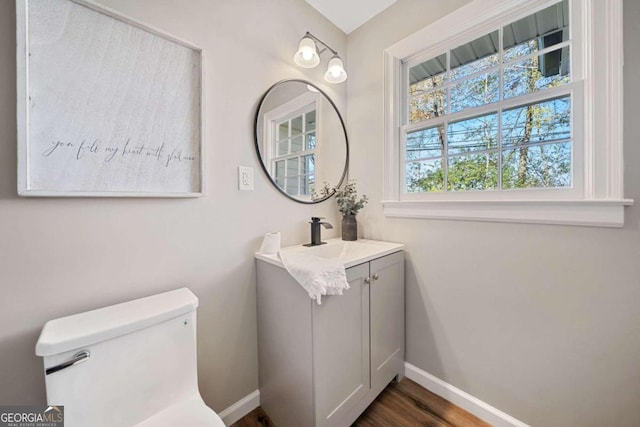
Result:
<point x="301" y="140"/>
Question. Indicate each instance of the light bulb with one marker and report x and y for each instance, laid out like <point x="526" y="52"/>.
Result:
<point x="307" y="54"/>
<point x="335" y="71"/>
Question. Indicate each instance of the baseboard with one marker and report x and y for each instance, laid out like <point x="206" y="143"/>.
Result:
<point x="469" y="403"/>
<point x="458" y="397"/>
<point x="241" y="408"/>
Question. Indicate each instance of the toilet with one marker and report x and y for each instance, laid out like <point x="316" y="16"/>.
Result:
<point x="130" y="364"/>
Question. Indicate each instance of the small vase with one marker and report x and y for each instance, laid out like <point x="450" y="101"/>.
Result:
<point x="349" y="228"/>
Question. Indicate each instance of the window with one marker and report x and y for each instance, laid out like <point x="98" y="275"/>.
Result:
<point x="476" y="119"/>
<point x="502" y="119"/>
<point x="292" y="145"/>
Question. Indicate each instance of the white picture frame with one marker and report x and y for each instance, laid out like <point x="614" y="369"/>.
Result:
<point x="107" y="106"/>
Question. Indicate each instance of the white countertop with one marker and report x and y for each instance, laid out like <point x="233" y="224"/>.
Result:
<point x="349" y="253"/>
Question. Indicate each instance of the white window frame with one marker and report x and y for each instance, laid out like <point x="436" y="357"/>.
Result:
<point x="301" y="104"/>
<point x="596" y="198"/>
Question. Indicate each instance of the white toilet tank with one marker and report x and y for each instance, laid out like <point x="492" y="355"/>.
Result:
<point x="135" y="363"/>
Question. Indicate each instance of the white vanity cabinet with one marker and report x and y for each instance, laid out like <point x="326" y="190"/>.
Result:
<point x="322" y="365"/>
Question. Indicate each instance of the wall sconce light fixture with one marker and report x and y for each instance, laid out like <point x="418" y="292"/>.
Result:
<point x="308" y="56"/>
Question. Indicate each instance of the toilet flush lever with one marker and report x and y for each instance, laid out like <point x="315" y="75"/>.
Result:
<point x="78" y="358"/>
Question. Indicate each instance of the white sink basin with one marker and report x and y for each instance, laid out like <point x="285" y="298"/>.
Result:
<point x="337" y="250"/>
<point x="349" y="253"/>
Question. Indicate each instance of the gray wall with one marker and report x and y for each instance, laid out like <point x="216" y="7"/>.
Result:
<point x="539" y="321"/>
<point x="62" y="256"/>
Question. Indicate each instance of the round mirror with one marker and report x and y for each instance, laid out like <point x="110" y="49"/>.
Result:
<point x="301" y="140"/>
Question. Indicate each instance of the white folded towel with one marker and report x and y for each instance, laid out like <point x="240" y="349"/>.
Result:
<point x="318" y="276"/>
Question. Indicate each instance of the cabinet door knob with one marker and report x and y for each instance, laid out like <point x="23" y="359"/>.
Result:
<point x="367" y="280"/>
<point x="376" y="276"/>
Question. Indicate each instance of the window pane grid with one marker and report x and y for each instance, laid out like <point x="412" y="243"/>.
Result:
<point x="499" y="151"/>
<point x="538" y="96"/>
<point x="499" y="71"/>
<point x="451" y="82"/>
<point x="530" y="77"/>
<point x="515" y="60"/>
<point x="536" y="81"/>
<point x="506" y="104"/>
<point x="293" y="164"/>
<point x="293" y="155"/>
<point x="565" y="146"/>
<point x="498" y="58"/>
<point x="491" y="150"/>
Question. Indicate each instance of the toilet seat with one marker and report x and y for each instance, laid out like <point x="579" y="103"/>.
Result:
<point x="192" y="412"/>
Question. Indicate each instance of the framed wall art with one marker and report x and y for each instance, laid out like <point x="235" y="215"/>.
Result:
<point x="107" y="106"/>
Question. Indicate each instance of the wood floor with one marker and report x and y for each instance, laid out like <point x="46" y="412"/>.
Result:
<point x="403" y="404"/>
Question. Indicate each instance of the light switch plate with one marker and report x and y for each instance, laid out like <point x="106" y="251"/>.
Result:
<point x="245" y="178"/>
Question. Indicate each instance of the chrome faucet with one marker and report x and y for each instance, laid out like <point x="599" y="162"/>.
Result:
<point x="316" y="239"/>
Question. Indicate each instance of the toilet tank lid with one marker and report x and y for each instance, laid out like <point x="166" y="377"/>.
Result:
<point x="84" y="329"/>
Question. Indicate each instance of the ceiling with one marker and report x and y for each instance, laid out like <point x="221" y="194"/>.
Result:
<point x="350" y="14"/>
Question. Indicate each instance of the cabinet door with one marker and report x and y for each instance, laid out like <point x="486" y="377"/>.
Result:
<point x="341" y="349"/>
<point x="387" y="319"/>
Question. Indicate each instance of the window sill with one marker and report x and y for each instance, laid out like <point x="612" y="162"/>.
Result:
<point x="594" y="213"/>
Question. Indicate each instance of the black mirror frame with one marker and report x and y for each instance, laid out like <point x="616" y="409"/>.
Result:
<point x="257" y="144"/>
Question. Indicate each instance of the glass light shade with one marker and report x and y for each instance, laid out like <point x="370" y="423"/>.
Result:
<point x="335" y="71"/>
<point x="307" y="54"/>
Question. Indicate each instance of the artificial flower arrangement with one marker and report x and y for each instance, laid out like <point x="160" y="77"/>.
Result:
<point x="348" y="204"/>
